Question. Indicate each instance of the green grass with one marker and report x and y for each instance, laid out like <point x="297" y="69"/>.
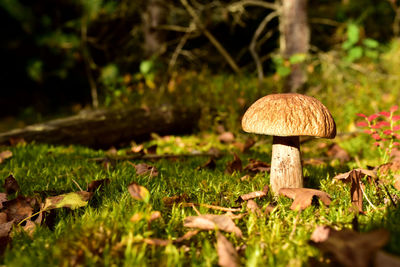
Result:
<point x="102" y="233"/>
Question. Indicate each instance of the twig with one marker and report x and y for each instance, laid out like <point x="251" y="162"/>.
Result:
<point x="178" y="48"/>
<point x="77" y="185"/>
<point x="253" y="43"/>
<point x="210" y="37"/>
<point x="390" y="196"/>
<point x="239" y="6"/>
<point x="365" y="195"/>
<point x="151" y="156"/>
<point x="196" y="210"/>
<point x="213" y="207"/>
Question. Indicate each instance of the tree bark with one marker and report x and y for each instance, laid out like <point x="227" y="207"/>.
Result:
<point x="295" y="38"/>
<point x="286" y="168"/>
<point x="105" y="128"/>
<point x="154" y="16"/>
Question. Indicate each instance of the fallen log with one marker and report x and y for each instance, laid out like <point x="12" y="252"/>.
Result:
<point x="106" y="128"/>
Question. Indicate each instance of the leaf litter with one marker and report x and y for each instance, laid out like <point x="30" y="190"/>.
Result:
<point x="302" y="197"/>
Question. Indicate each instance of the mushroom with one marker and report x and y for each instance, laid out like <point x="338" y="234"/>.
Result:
<point x="287" y="117"/>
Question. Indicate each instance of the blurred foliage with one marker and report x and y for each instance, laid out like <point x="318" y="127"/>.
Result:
<point x="50" y="48"/>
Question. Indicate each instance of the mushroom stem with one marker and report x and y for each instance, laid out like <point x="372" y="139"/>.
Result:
<point x="286" y="169"/>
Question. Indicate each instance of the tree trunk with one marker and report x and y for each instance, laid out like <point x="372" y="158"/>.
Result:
<point x="154" y="16"/>
<point x="295" y="37"/>
<point x="105" y="128"/>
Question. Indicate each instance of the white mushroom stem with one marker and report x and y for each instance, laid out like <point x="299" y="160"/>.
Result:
<point x="286" y="169"/>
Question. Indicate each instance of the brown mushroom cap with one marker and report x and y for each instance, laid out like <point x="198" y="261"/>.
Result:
<point x="289" y="115"/>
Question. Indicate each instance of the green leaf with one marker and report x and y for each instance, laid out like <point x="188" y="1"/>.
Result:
<point x="353" y="33"/>
<point x="371" y="53"/>
<point x="283" y="71"/>
<point x="355" y="53"/>
<point x="370" y="43"/>
<point x="71" y="200"/>
<point x="297" y="58"/>
<point x="146" y="66"/>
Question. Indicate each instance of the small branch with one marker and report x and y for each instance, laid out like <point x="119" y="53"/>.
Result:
<point x="213" y="207"/>
<point x="87" y="62"/>
<point x="179" y="47"/>
<point x="152" y="156"/>
<point x="239" y="6"/>
<point x="325" y="21"/>
<point x="210" y="37"/>
<point x="253" y="43"/>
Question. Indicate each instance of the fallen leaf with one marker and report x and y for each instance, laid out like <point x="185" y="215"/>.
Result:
<point x="215" y="152"/>
<point x="11" y="185"/>
<point x="143" y="169"/>
<point x="112" y="151"/>
<point x="256" y="166"/>
<point x="17" y="141"/>
<point x="354" y="177"/>
<point x="188" y="235"/>
<point x="151" y="149"/>
<point x="336" y="152"/>
<point x="94" y="185"/>
<point x="3" y="198"/>
<point x="157" y="241"/>
<point x="253" y="207"/>
<point x="154" y="215"/>
<point x="347" y="247"/>
<point x="302" y="197"/>
<point x="245" y="178"/>
<point x="3" y="217"/>
<point x="235" y="165"/>
<point x="213" y="222"/>
<point x="71" y="200"/>
<point x="255" y="194"/>
<point x="269" y="208"/>
<point x="227" y="255"/>
<point x="397" y="181"/>
<point x="209" y="164"/>
<point x="226" y="137"/>
<point x="244" y="147"/>
<point x="5" y="238"/>
<point x="390" y="166"/>
<point x="137" y="148"/>
<point x="139" y="192"/>
<point x="19" y="208"/>
<point x="169" y="201"/>
<point x="5" y="155"/>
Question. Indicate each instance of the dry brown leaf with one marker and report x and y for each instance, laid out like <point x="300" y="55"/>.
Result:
<point x="227" y="255"/>
<point x="255" y="194"/>
<point x="245" y="178"/>
<point x="94" y="185"/>
<point x="393" y="166"/>
<point x="256" y="166"/>
<point x="302" y="197"/>
<point x="336" y="152"/>
<point x="269" y="208"/>
<point x="3" y="198"/>
<point x="187" y="236"/>
<point x="157" y="241"/>
<point x="244" y="147"/>
<point x="226" y="137"/>
<point x="154" y="216"/>
<point x="5" y="155"/>
<point x="144" y="169"/>
<point x="20" y="208"/>
<point x="213" y="222"/>
<point x="253" y="207"/>
<point x="349" y="248"/>
<point x="139" y="192"/>
<point x="137" y="148"/>
<point x="397" y="181"/>
<point x="235" y="165"/>
<point x="209" y="164"/>
<point x="3" y="217"/>
<point x="11" y="185"/>
<point x="151" y="149"/>
<point x="5" y="238"/>
<point x="354" y="177"/>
